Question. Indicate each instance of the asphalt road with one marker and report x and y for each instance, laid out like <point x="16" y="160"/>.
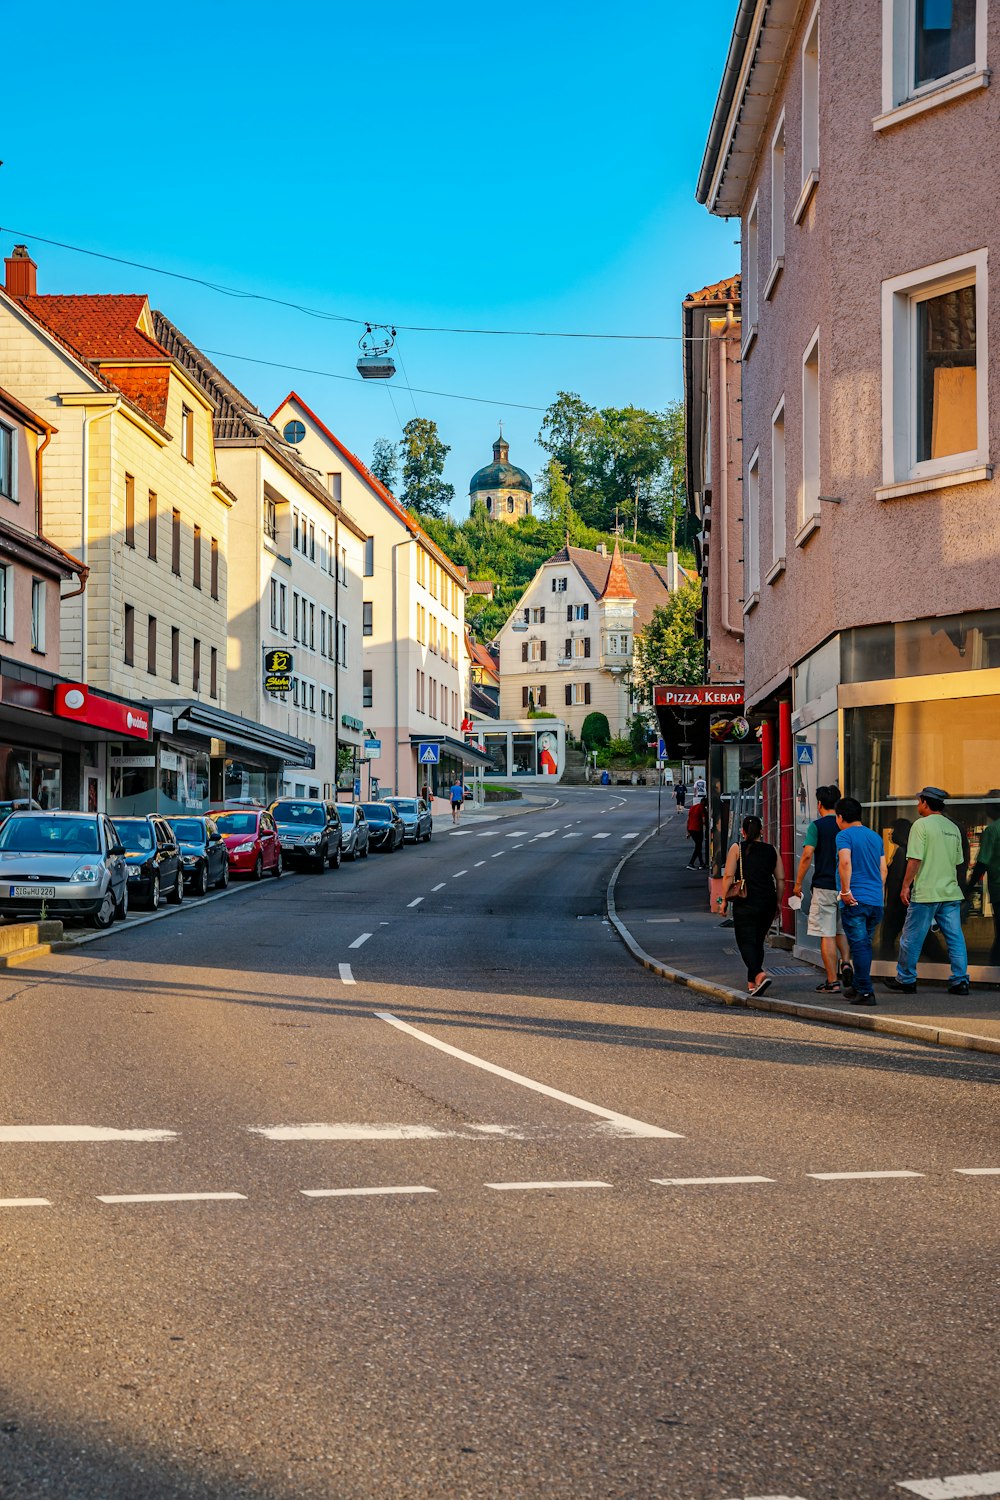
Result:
<point x="547" y="1305"/>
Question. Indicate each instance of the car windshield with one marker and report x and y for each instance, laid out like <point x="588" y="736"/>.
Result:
<point x="34" y="835"/>
<point x="188" y="830"/>
<point x="378" y="812"/>
<point x="305" y="813"/>
<point x="403" y="804"/>
<point x="234" y="822"/>
<point x="137" y="837"/>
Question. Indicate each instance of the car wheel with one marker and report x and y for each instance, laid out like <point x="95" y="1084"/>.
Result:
<point x="223" y="879"/>
<point x="121" y="909"/>
<point x="318" y="862"/>
<point x="177" y="894"/>
<point x="278" y="869"/>
<point x="154" y="894"/>
<point x="258" y="869"/>
<point x="105" y="913"/>
<point x="201" y="882"/>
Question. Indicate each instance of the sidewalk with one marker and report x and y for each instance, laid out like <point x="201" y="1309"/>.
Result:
<point x="528" y="802"/>
<point x="659" y="909"/>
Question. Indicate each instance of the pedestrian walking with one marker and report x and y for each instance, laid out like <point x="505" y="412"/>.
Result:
<point x="862" y="869"/>
<point x="457" y="795"/>
<point x="680" y="796"/>
<point x="988" y="864"/>
<point x="825" y="916"/>
<point x="753" y="881"/>
<point x="931" y="894"/>
<point x="696" y="833"/>
<point x="425" y="793"/>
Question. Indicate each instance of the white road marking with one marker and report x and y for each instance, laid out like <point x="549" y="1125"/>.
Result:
<point x="572" y="835"/>
<point x="567" y="825"/>
<point x="498" y="854"/>
<point x="169" y="1197"/>
<point x="772" y="1497"/>
<point x="19" y="1133"/>
<point x="520" y="1187"/>
<point x="459" y="833"/>
<point x="706" y="1181"/>
<point x="630" y="835"/>
<point x="506" y="1130"/>
<point x="517" y="834"/>
<point x="493" y="833"/>
<point x="953" y="1486"/>
<point x="518" y="846"/>
<point x="602" y="835"/>
<point x="653" y="920"/>
<point x="359" y="942"/>
<point x="857" y="1176"/>
<point x="621" y="1125"/>
<point x="366" y="1192"/>
<point x="349" y="1132"/>
<point x="439" y="887"/>
<point x="415" y="902"/>
<point x="979" y="1171"/>
<point x="478" y="863"/>
<point x="25" y="1203"/>
<point x="346" y="976"/>
<point x="459" y="873"/>
<point x="548" y="834"/>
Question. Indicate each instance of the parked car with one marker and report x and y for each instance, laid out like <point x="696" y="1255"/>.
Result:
<point x="309" y="830"/>
<point x="418" y="824"/>
<point x="18" y="804"/>
<point x="385" y="826"/>
<point x="67" y="864"/>
<point x="154" y="860"/>
<point x="251" y="841"/>
<point x="354" y="830"/>
<point x="204" y="856"/>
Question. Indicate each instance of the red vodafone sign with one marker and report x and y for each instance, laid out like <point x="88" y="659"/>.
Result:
<point x="74" y="700"/>
<point x="699" y="696"/>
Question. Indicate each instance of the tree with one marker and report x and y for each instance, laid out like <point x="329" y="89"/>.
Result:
<point x="669" y="650"/>
<point x="626" y="461"/>
<point x="566" y="434"/>
<point x="671" y="502"/>
<point x="385" y="462"/>
<point x="422" y="455"/>
<point x="555" y="503"/>
<point x="596" y="731"/>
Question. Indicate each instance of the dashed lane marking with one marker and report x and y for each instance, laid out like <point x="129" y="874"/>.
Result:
<point x="953" y="1486"/>
<point x="439" y="887"/>
<point x="498" y="854"/>
<point x="858" y="1176"/>
<point x="527" y="1187"/>
<point x="518" y="846"/>
<point x="171" y="1197"/>
<point x="620" y="1125"/>
<point x="362" y="1192"/>
<point x="349" y="1132"/>
<point x="478" y="863"/>
<point x="706" y="1181"/>
<point x="25" y="1203"/>
<point x="345" y="974"/>
<point x="653" y="920"/>
<point x="415" y="902"/>
<point x="979" y="1171"/>
<point x="458" y="873"/>
<point x="359" y="942"/>
<point x="572" y="835"/>
<point x="16" y="1134"/>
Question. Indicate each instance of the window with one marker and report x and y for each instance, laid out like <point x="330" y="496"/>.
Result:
<point x="215" y="567"/>
<point x="778" y="485"/>
<point x="312" y="628"/>
<point x="537" y="615"/>
<point x="524" y="696"/>
<point x="7" y="601"/>
<point x="510" y="504"/>
<point x="342" y="659"/>
<point x="578" y="611"/>
<point x="196" y="572"/>
<point x="577" y="692"/>
<point x="934" y="385"/>
<point x="750" y="270"/>
<point x="532" y="650"/>
<point x="366" y="689"/>
<point x="213" y="673"/>
<point x="581" y="646"/>
<point x="778" y="194"/>
<point x="6" y="461"/>
<point x="295" y="616"/>
<point x="366" y="617"/>
<point x="312" y="541"/>
<point x="333" y="485"/>
<point x="944" y="39"/>
<point x="270" y="518"/>
<point x="274" y="604"/>
<point x="187" y="434"/>
<point x="809" y="505"/>
<point x="293" y="432"/>
<point x="151" y="515"/>
<point x="932" y="51"/>
<point x="175" y="654"/>
<point x="810" y="103"/>
<point x="370" y="558"/>
<point x="751" y="530"/>
<point x="433" y="699"/>
<point x="343" y="566"/>
<point x="196" y="666"/>
<point x="38" y="615"/>
<point x="295" y="530"/>
<point x="129" y="635"/>
<point x="541" y="697"/>
<point x="559" y="585"/>
<point x="129" y="511"/>
<point x="151" y="645"/>
<point x="175" y="543"/>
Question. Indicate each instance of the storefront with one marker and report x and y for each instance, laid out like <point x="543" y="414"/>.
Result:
<point x="457" y="761"/>
<point x="522" y="749"/>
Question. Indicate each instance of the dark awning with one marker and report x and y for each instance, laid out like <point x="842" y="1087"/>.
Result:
<point x="204" y="720"/>
<point x="457" y="749"/>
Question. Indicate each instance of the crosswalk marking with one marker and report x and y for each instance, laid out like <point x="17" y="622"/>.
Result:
<point x="953" y="1486"/>
<point x="572" y="835"/>
<point x="519" y="833"/>
<point x="345" y="974"/>
<point x="460" y="833"/>
<point x="630" y="835"/>
<point x="359" y="942"/>
<point x="548" y="834"/>
<point x="493" y="834"/>
<point x="416" y="901"/>
<point x="602" y="835"/>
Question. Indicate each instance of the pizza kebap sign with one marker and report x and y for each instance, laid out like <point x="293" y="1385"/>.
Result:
<point x="702" y="695"/>
<point x="691" y="717"/>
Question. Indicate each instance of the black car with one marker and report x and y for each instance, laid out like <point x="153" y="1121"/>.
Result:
<point x="154" y="860"/>
<point x="416" y="815"/>
<point x="386" y="830"/>
<point x="309" y="830"/>
<point x="204" y="856"/>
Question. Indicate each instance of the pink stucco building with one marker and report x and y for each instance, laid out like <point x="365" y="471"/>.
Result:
<point x="849" y="140"/>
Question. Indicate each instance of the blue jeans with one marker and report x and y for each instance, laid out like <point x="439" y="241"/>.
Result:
<point x="919" y="916"/>
<point x="860" y="922"/>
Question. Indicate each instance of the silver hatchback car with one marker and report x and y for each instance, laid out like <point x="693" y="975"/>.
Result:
<point x="65" y="864"/>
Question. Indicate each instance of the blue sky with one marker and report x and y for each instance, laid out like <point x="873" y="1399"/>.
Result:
<point x="529" y="168"/>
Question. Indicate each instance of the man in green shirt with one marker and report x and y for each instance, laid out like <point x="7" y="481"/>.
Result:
<point x="931" y="893"/>
<point x="988" y="864"/>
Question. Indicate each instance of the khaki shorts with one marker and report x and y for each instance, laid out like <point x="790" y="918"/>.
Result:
<point x="824" y="915"/>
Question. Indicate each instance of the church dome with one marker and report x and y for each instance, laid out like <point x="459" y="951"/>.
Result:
<point x="500" y="474"/>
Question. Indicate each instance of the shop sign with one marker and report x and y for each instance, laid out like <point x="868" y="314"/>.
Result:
<point x="278" y="668"/>
<point x="350" y="722"/>
<point x="74" y="700"/>
<point x="132" y="762"/>
<point x="699" y="696"/>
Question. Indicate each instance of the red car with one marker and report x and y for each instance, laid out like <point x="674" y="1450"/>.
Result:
<point x="252" y="841"/>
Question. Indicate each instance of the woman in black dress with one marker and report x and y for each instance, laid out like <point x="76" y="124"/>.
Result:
<point x="758" y="866"/>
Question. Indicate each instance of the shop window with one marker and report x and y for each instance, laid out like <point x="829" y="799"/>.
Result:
<point x="129" y="511"/>
<point x="151" y="516"/>
<point x="129" y="635"/>
<point x="38" y="607"/>
<point x="523" y="754"/>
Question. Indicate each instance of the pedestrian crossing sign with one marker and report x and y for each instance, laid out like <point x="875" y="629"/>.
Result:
<point x="429" y="755"/>
<point x="804" y="755"/>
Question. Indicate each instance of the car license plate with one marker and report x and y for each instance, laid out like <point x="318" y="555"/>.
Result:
<point x="43" y="892"/>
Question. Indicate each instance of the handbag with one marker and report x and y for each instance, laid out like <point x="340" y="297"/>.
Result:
<point x="738" y="889"/>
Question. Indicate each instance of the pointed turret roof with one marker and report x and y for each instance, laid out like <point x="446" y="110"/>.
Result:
<point x="618" y="585"/>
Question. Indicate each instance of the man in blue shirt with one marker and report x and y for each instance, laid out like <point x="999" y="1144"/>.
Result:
<point x="861" y="866"/>
<point x="820" y="850"/>
<point x="457" y="799"/>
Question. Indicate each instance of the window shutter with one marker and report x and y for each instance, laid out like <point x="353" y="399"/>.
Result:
<point x="569" y="611"/>
<point x="586" y="646"/>
<point x="553" y="585"/>
<point x="541" y="697"/>
<point x="586" y="611"/>
<point x="524" y="651"/>
<point x="524" y="697"/>
<point x="541" y="615"/>
<point x="527" y="616"/>
<point x="569" y="647"/>
<point x="586" y="692"/>
<point x="542" y="644"/>
<point x="569" y="695"/>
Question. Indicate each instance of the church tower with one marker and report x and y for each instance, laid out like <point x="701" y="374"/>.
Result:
<point x="501" y="486"/>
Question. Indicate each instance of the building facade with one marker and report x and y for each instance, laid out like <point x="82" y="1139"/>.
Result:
<point x="501" y="487"/>
<point x="871" y="411"/>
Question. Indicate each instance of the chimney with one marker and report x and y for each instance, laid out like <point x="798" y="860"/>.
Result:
<point x="21" y="273"/>
<point x="601" y="549"/>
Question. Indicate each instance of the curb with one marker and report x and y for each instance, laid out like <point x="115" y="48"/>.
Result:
<point x="912" y="1031"/>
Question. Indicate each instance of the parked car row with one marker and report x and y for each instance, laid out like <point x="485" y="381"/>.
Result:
<point x="94" y="867"/>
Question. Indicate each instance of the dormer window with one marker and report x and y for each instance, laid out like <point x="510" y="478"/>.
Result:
<point x="187" y="434"/>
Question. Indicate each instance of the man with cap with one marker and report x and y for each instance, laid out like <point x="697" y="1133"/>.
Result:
<point x="931" y="893"/>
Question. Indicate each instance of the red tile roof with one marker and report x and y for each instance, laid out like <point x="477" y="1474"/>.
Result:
<point x="481" y="657"/>
<point x="724" y="291"/>
<point x="98" y="328"/>
<point x="482" y="586"/>
<point x="148" y="386"/>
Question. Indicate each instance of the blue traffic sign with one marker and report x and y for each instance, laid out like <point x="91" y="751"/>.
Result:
<point x="429" y="755"/>
<point x="661" y="749"/>
<point x="804" y="754"/>
<point x="357" y="786"/>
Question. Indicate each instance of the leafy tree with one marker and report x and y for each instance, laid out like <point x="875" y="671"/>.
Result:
<point x="669" y="650"/>
<point x="555" y="503"/>
<point x="385" y="462"/>
<point x="422" y="456"/>
<point x="596" y="731"/>
<point x="626" y="459"/>
<point x="566" y="434"/>
<point x="638" y="734"/>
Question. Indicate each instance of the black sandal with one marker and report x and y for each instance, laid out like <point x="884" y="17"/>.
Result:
<point x="826" y="988"/>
